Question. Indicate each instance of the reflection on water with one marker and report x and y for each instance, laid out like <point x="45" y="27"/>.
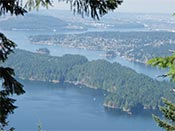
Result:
<point x="68" y="107"/>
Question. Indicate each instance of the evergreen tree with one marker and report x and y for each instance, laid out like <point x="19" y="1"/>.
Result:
<point x="169" y="113"/>
<point x="10" y="85"/>
<point x="169" y="109"/>
<point x="165" y="62"/>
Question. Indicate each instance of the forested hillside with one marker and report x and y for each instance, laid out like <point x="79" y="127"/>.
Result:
<point x="34" y="22"/>
<point x="127" y="89"/>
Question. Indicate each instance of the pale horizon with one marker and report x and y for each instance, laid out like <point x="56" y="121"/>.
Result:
<point x="134" y="6"/>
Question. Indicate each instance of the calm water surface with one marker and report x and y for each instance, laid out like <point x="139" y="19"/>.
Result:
<point x="67" y="107"/>
<point x="21" y="38"/>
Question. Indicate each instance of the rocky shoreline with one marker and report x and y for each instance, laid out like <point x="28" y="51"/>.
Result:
<point x="106" y="104"/>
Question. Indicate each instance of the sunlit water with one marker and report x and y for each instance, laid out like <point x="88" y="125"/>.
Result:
<point x="67" y="107"/>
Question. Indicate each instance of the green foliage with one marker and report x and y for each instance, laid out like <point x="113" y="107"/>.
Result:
<point x="127" y="89"/>
<point x="165" y="62"/>
<point x="169" y="113"/>
<point x="15" y="7"/>
<point x="7" y="107"/>
<point x="95" y="8"/>
<point x="40" y="127"/>
<point x="169" y="109"/>
<point x="43" y="67"/>
<point x="12" y="6"/>
<point x="35" y="4"/>
<point x="6" y="47"/>
<point x="10" y="86"/>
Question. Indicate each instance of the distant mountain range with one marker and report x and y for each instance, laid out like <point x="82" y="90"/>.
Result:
<point x="67" y="21"/>
<point x="33" y="22"/>
<point x="57" y="20"/>
<point x="118" y="20"/>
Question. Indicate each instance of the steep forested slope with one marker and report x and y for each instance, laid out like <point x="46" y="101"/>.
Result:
<point x="127" y="89"/>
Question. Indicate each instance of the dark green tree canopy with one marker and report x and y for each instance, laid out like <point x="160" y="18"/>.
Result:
<point x="10" y="85"/>
<point x="94" y="8"/>
<point x="12" y="6"/>
<point x="169" y="113"/>
<point x="165" y="62"/>
<point x="169" y="109"/>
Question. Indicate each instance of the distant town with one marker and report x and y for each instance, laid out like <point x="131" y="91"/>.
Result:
<point x="135" y="46"/>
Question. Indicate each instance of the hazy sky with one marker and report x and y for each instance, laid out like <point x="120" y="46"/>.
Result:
<point x="138" y="6"/>
<point x="148" y="6"/>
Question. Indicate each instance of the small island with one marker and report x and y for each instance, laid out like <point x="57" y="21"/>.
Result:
<point x="133" y="46"/>
<point x="43" y="51"/>
<point x="110" y="54"/>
